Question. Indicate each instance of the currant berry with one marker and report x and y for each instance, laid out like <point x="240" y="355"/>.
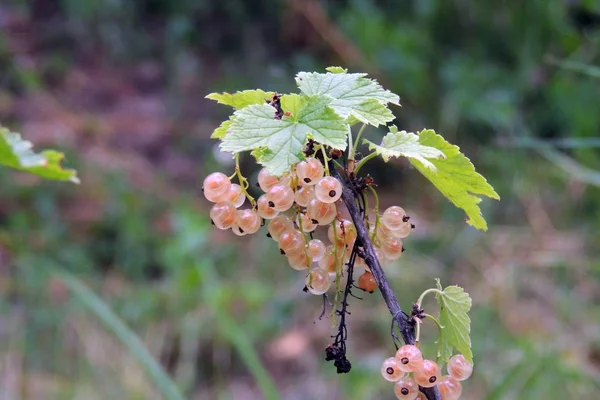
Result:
<point x="317" y="281"/>
<point x="215" y="186"/>
<point x="427" y="373"/>
<point x="383" y="232"/>
<point x="328" y="189"/>
<point x="323" y="213"/>
<point x="266" y="181"/>
<point x="390" y="370"/>
<point x="223" y="215"/>
<point x="406" y="389"/>
<point x="291" y="240"/>
<point x="234" y="195"/>
<point x="450" y="388"/>
<point x="237" y="230"/>
<point x="303" y="195"/>
<point x="345" y="233"/>
<point x="278" y="225"/>
<point x="316" y="250"/>
<point x="264" y="209"/>
<point x="309" y="171"/>
<point x="391" y="248"/>
<point x="383" y="260"/>
<point x="404" y="230"/>
<point x="394" y="217"/>
<point x="285" y="179"/>
<point x="248" y="221"/>
<point x="367" y="282"/>
<point x="409" y="357"/>
<point x="459" y="368"/>
<point x="281" y="197"/>
<point x="331" y="262"/>
<point x="299" y="260"/>
<point x="306" y="223"/>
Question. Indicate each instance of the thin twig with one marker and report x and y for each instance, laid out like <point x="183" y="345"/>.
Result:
<point x="407" y="330"/>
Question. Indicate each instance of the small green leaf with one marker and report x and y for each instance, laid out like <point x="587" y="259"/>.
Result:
<point x="241" y="99"/>
<point x="455" y="304"/>
<point x="293" y="103"/>
<point x="17" y="153"/>
<point x="406" y="144"/>
<point x="456" y="178"/>
<point x="221" y="131"/>
<point x="278" y="144"/>
<point x="352" y="94"/>
<point x="336" y="70"/>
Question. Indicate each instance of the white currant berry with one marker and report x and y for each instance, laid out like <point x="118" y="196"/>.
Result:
<point x="328" y="189"/>
<point x="235" y="195"/>
<point x="278" y="225"/>
<point x="306" y="223"/>
<point x="316" y="250"/>
<point x="291" y="240"/>
<point x="317" y="281"/>
<point x="266" y="181"/>
<point x="392" y="248"/>
<point x="215" y="186"/>
<point x="248" y="221"/>
<point x="332" y="261"/>
<point x="390" y="370"/>
<point x="409" y="357"/>
<point x="394" y="217"/>
<point x="303" y="195"/>
<point x="367" y="282"/>
<point x="299" y="260"/>
<point x="459" y="368"/>
<point x="264" y="209"/>
<point x="238" y="231"/>
<point x="345" y="233"/>
<point x="406" y="389"/>
<point x="427" y="373"/>
<point x="450" y="388"/>
<point x="223" y="215"/>
<point x="281" y="197"/>
<point x="309" y="171"/>
<point x="322" y="213"/>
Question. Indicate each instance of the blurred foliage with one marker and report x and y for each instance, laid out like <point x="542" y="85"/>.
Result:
<point x="501" y="79"/>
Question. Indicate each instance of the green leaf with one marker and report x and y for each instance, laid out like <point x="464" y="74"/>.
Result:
<point x="221" y="131"/>
<point x="455" y="303"/>
<point x="456" y="178"/>
<point x="352" y="94"/>
<point x="293" y="103"/>
<point x="406" y="144"/>
<point x="17" y="153"/>
<point x="278" y="144"/>
<point x="241" y="99"/>
<point x="336" y="70"/>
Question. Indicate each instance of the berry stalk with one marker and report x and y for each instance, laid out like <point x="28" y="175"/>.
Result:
<point x="349" y="197"/>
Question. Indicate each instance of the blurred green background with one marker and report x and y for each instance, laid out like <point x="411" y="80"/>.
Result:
<point x="93" y="275"/>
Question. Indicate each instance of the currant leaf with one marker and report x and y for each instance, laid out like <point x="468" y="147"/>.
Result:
<point x="293" y="103"/>
<point x="455" y="304"/>
<point x="278" y="144"/>
<point x="404" y="144"/>
<point x="353" y="95"/>
<point x="456" y="178"/>
<point x="221" y="131"/>
<point x="17" y="153"/>
<point x="241" y="99"/>
<point x="336" y="70"/>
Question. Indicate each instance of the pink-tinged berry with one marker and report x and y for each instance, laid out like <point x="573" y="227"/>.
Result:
<point x="223" y="215"/>
<point x="459" y="368"/>
<point x="328" y="189"/>
<point x="281" y="197"/>
<point x="306" y="223"/>
<point x="215" y="186"/>
<point x="390" y="370"/>
<point x="264" y="209"/>
<point x="427" y="373"/>
<point x="299" y="260"/>
<point x="406" y="389"/>
<point x="291" y="240"/>
<point x="266" y="181"/>
<point x="309" y="171"/>
<point x="321" y="213"/>
<point x="394" y="217"/>
<point x="278" y="225"/>
<point x="316" y="250"/>
<point x="367" y="283"/>
<point x="345" y="233"/>
<point x="235" y="195"/>
<point x="317" y="281"/>
<point x="248" y="221"/>
<point x="303" y="195"/>
<point x="391" y="248"/>
<point x="409" y="357"/>
<point x="450" y="388"/>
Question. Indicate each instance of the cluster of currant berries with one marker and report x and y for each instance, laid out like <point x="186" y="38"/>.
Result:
<point x="295" y="204"/>
<point x="408" y="370"/>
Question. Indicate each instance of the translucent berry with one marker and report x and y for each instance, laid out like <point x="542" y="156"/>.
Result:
<point x="420" y="396"/>
<point x="332" y="262"/>
<point x="328" y="189"/>
<point x="322" y="213"/>
<point x="427" y="373"/>
<point x="278" y="225"/>
<point x="264" y="209"/>
<point x="266" y="181"/>
<point x="316" y="250"/>
<point x="394" y="217"/>
<point x="317" y="281"/>
<point x="309" y="171"/>
<point x="383" y="260"/>
<point x="404" y="230"/>
<point x="223" y="215"/>
<point x="383" y="232"/>
<point x="391" y="248"/>
<point x="299" y="260"/>
<point x="450" y="388"/>
<point x="285" y="179"/>
<point x="291" y="240"/>
<point x="409" y="357"/>
<point x="367" y="282"/>
<point x="281" y="197"/>
<point x="215" y="186"/>
<point x="304" y="194"/>
<point x="390" y="370"/>
<point x="306" y="223"/>
<point x="248" y="221"/>
<point x="406" y="389"/>
<point x="238" y="231"/>
<point x="459" y="368"/>
<point x="345" y="233"/>
<point x="234" y="195"/>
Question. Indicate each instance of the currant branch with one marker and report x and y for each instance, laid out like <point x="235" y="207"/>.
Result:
<point x="350" y="196"/>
